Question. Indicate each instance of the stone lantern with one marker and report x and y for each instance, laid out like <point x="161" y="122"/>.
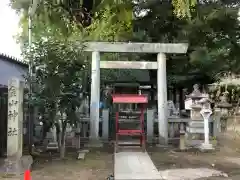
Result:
<point x="107" y="96"/>
<point x="206" y="113"/>
<point x="195" y="96"/>
<point x="224" y="108"/>
<point x="195" y="126"/>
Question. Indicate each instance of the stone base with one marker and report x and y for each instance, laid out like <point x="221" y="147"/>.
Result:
<point x="194" y="143"/>
<point x="162" y="141"/>
<point x="206" y="147"/>
<point x="196" y="124"/>
<point x="195" y="130"/>
<point x="164" y="146"/>
<point x="81" y="154"/>
<point x="52" y="146"/>
<point x="15" y="167"/>
<point x="94" y="144"/>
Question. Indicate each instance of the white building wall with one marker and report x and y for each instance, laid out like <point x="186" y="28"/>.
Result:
<point x="9" y="69"/>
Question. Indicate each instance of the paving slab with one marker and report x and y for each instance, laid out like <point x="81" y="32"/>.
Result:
<point x="134" y="165"/>
<point x="234" y="160"/>
<point x="191" y="173"/>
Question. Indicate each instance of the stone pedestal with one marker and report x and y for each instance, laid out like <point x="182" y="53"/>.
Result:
<point x="53" y="144"/>
<point x="17" y="166"/>
<point x="195" y="128"/>
<point x="12" y="166"/>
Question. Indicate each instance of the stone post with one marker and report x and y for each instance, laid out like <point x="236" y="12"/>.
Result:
<point x="95" y="97"/>
<point x="78" y="136"/>
<point x="105" y="124"/>
<point x="162" y="99"/>
<point x="150" y="125"/>
<point x="217" y="122"/>
<point x="182" y="145"/>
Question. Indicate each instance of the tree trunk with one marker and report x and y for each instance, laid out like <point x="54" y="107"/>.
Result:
<point x="59" y="140"/>
<point x="58" y="135"/>
<point x="63" y="141"/>
<point x="62" y="151"/>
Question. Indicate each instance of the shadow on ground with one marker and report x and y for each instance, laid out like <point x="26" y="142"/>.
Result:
<point x="97" y="165"/>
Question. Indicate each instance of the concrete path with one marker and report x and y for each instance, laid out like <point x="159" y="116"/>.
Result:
<point x="134" y="165"/>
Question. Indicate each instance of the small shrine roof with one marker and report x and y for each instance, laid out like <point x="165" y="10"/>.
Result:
<point x="129" y="98"/>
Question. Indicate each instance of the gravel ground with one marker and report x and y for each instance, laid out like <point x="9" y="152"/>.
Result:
<point x="98" y="164"/>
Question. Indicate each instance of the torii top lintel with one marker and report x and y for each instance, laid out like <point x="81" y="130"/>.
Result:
<point x="136" y="47"/>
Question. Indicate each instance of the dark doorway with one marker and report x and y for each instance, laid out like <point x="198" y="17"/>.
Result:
<point x="3" y="120"/>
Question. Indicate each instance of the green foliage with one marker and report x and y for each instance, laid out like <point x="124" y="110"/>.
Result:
<point x="109" y="20"/>
<point x="58" y="79"/>
<point x="112" y="22"/>
<point x="212" y="34"/>
<point x="210" y="28"/>
<point x="182" y="8"/>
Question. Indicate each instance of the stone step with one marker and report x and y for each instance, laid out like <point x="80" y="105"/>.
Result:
<point x="195" y="130"/>
<point x="197" y="124"/>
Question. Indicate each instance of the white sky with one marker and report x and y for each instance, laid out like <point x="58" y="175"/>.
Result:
<point x="9" y="22"/>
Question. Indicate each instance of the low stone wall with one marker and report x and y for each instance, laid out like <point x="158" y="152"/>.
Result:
<point x="151" y="128"/>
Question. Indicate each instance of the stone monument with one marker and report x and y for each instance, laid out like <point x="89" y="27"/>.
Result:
<point x="53" y="144"/>
<point x="195" y="127"/>
<point x="224" y="108"/>
<point x="15" y="118"/>
<point x="15" y="164"/>
<point x="172" y="111"/>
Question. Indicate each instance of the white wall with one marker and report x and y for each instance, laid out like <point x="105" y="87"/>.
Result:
<point x="9" y="69"/>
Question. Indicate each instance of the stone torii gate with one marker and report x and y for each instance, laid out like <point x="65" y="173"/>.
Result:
<point x="122" y="47"/>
